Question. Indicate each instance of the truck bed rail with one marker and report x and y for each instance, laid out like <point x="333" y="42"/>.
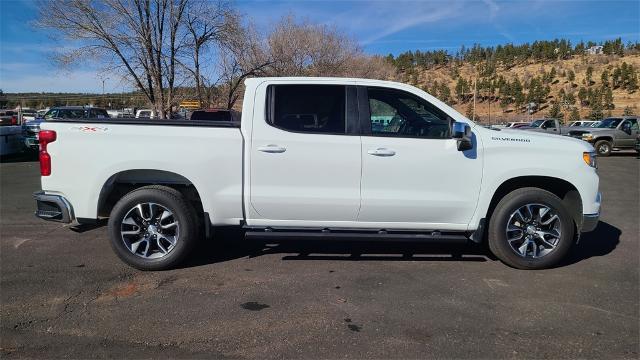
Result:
<point x="149" y="122"/>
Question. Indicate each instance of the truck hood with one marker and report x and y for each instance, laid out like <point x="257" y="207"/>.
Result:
<point x="540" y="141"/>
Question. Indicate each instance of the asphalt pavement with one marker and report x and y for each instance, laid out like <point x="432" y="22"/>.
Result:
<point x="66" y="295"/>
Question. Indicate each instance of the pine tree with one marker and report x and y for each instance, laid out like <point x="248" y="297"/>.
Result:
<point x="555" y="112"/>
<point x="461" y="88"/>
<point x="608" y="99"/>
<point x="589" y="76"/>
<point x="571" y="75"/>
<point x="469" y="113"/>
<point x="575" y="115"/>
<point x="582" y="96"/>
<point x="605" y="78"/>
<point x="445" y="93"/>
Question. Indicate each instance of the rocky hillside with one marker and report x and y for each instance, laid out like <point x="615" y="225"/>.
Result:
<point x="581" y="86"/>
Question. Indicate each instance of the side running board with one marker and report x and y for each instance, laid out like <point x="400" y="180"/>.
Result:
<point x="354" y="235"/>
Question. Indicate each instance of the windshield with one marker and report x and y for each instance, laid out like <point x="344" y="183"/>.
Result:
<point x="609" y="123"/>
<point x="537" y="123"/>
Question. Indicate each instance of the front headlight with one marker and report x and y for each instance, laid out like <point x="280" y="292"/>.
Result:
<point x="587" y="137"/>
<point x="590" y="159"/>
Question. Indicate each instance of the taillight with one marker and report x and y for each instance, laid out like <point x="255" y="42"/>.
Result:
<point x="14" y="120"/>
<point x="45" y="137"/>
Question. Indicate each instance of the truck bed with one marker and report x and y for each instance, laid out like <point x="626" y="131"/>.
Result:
<point x="89" y="155"/>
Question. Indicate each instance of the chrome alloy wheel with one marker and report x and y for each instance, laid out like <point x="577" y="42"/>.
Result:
<point x="603" y="148"/>
<point x="533" y="230"/>
<point x="150" y="230"/>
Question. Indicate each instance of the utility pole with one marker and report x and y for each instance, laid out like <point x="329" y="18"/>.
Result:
<point x="475" y="84"/>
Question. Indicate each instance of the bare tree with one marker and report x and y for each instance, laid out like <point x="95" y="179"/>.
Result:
<point x="139" y="38"/>
<point x="294" y="49"/>
<point x="209" y="25"/>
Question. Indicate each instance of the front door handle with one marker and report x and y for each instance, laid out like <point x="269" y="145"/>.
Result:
<point x="272" y="149"/>
<point x="381" y="152"/>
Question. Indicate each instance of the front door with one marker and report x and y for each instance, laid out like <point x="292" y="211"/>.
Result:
<point x="305" y="157"/>
<point x="412" y="172"/>
<point x="626" y="133"/>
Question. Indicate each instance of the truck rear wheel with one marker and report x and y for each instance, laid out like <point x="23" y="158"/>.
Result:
<point x="530" y="228"/>
<point x="153" y="228"/>
<point x="603" y="147"/>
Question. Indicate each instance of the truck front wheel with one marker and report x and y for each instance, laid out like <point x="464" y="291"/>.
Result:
<point x="530" y="228"/>
<point x="153" y="228"/>
<point x="603" y="147"/>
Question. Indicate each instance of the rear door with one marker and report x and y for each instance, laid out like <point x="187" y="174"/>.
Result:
<point x="305" y="154"/>
<point x="412" y="173"/>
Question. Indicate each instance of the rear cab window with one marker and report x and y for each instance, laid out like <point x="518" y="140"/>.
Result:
<point x="314" y="109"/>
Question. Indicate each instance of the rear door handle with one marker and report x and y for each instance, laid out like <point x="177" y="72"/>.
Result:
<point x="272" y="149"/>
<point x="381" y="152"/>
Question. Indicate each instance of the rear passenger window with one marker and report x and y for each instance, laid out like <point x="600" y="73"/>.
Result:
<point x="308" y="108"/>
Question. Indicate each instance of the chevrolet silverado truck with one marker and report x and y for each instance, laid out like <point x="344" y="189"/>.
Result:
<point x="327" y="158"/>
<point x="616" y="133"/>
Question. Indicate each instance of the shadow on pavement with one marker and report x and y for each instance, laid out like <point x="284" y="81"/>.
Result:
<point x="601" y="241"/>
<point x="230" y="244"/>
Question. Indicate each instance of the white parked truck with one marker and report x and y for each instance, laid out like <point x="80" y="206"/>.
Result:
<point x="324" y="158"/>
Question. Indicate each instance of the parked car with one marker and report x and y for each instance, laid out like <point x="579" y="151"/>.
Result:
<point x="582" y="123"/>
<point x="611" y="134"/>
<point x="30" y="129"/>
<point x="146" y="114"/>
<point x="516" y="124"/>
<point x="215" y="115"/>
<point x="8" y="118"/>
<point x="637" y="145"/>
<point x="28" y="115"/>
<point x="307" y="160"/>
<point x="552" y="126"/>
<point x="10" y="139"/>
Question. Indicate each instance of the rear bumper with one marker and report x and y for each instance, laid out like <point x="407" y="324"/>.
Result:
<point x="52" y="207"/>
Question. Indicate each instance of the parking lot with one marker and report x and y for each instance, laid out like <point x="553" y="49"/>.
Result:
<point x="65" y="294"/>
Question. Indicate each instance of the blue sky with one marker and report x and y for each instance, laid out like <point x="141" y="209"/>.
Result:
<point x="381" y="27"/>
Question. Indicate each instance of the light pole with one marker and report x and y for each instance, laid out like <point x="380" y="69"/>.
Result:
<point x="103" y="80"/>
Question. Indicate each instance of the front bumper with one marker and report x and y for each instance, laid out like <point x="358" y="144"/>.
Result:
<point x="590" y="221"/>
<point x="53" y="207"/>
<point x="31" y="143"/>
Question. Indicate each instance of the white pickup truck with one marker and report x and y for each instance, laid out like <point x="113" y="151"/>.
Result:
<point x="323" y="158"/>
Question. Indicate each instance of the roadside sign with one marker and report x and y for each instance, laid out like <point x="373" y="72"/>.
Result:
<point x="190" y="104"/>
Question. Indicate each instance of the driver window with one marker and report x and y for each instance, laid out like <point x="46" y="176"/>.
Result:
<point x="397" y="113"/>
<point x="550" y="124"/>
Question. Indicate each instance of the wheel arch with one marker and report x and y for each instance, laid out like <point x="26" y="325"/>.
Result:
<point x="604" y="137"/>
<point x="118" y="184"/>
<point x="563" y="189"/>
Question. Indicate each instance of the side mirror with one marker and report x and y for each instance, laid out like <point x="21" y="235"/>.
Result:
<point x="462" y="133"/>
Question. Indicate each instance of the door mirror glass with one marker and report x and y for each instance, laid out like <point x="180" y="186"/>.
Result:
<point x="462" y="133"/>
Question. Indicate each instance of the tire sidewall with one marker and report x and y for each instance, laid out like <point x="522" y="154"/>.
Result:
<point x="166" y="199"/>
<point x="498" y="238"/>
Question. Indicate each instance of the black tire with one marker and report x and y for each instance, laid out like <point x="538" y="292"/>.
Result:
<point x="168" y="198"/>
<point x="603" y="147"/>
<point x="497" y="237"/>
